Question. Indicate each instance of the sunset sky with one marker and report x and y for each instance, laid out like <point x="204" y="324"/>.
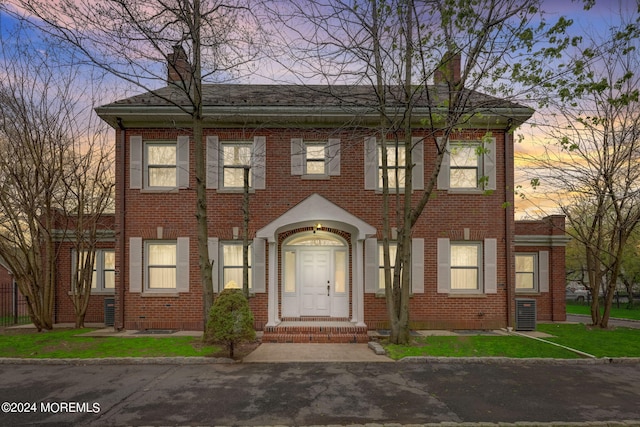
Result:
<point x="606" y="13"/>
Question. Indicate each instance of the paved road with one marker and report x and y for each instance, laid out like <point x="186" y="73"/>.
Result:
<point x="321" y="393"/>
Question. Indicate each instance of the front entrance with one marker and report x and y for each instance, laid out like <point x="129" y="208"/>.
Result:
<point x="315" y="283"/>
<point x="315" y="276"/>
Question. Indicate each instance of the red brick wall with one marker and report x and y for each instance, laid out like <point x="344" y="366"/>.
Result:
<point x="446" y="215"/>
<point x="549" y="305"/>
<point x="64" y="312"/>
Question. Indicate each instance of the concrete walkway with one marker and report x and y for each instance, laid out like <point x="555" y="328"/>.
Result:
<point x="284" y="352"/>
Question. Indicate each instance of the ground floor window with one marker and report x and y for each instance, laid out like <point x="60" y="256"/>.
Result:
<point x="104" y="269"/>
<point x="466" y="259"/>
<point x="526" y="266"/>
<point x="161" y="265"/>
<point x="232" y="265"/>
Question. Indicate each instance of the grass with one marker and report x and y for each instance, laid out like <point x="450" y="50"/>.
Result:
<point x="478" y="346"/>
<point x="620" y="313"/>
<point x="65" y="343"/>
<point x="618" y="342"/>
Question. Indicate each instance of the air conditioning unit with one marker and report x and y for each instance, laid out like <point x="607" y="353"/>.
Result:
<point x="525" y="314"/>
<point x="109" y="311"/>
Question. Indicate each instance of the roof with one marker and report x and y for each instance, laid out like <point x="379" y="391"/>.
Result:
<point x="228" y="104"/>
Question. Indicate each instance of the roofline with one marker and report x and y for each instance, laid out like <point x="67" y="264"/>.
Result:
<point x="280" y="116"/>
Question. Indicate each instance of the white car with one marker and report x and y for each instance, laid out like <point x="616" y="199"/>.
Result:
<point x="576" y="292"/>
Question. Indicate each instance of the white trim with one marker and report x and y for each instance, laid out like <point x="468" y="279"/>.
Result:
<point x="314" y="209"/>
<point x="541" y="240"/>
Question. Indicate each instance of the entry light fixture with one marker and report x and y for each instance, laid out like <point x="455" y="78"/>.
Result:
<point x="316" y="227"/>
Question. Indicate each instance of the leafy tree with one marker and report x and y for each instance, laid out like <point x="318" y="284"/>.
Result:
<point x="595" y="161"/>
<point x="230" y="320"/>
<point x="397" y="48"/>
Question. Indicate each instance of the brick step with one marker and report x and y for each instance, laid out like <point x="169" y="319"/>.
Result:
<point x="315" y="331"/>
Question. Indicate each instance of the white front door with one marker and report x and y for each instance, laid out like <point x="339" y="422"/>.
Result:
<point x="315" y="283"/>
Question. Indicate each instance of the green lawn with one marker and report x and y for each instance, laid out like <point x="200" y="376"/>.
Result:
<point x="621" y="313"/>
<point x="478" y="346"/>
<point x="64" y="343"/>
<point x="618" y="342"/>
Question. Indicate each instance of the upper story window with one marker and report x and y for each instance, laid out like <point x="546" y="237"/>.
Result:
<point x="396" y="166"/>
<point x="236" y="156"/>
<point x="468" y="166"/>
<point x="315" y="158"/>
<point x="160" y="164"/>
<point x="227" y="160"/>
<point x="465" y="166"/>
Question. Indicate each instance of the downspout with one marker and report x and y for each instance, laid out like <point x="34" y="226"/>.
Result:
<point x="508" y="217"/>
<point x="119" y="324"/>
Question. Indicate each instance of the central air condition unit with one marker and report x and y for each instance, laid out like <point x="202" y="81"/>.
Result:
<point x="525" y="314"/>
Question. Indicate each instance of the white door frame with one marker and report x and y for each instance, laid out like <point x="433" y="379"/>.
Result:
<point x="312" y="210"/>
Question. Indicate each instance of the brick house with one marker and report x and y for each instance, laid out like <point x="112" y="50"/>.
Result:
<point x="103" y="284"/>
<point x="315" y="213"/>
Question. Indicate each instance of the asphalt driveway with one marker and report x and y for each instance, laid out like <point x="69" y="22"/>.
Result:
<point x="320" y="393"/>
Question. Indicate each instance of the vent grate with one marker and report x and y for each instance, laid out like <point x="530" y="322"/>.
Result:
<point x="525" y="314"/>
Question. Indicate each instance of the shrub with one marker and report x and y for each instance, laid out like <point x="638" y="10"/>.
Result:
<point x="230" y="320"/>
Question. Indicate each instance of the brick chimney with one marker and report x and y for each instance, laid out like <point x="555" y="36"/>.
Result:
<point x="448" y="72"/>
<point x="178" y="69"/>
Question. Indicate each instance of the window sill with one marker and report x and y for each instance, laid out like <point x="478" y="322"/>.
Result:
<point x="159" y="190"/>
<point x="98" y="293"/>
<point x="391" y="191"/>
<point x="234" y="190"/>
<point x="466" y="191"/>
<point x="153" y="294"/>
<point x="318" y="177"/>
<point x="466" y="295"/>
<point x="532" y="293"/>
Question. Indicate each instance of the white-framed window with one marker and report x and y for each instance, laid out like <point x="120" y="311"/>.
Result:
<point x="468" y="166"/>
<point x="465" y="168"/>
<point x="161" y="265"/>
<point x="526" y="272"/>
<point x="393" y="250"/>
<point x="232" y="265"/>
<point x="396" y="166"/>
<point x="236" y="156"/>
<point x="466" y="266"/>
<point x="160" y="164"/>
<point x="315" y="158"/>
<point x="104" y="270"/>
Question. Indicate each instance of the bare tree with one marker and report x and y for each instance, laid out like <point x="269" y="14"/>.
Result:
<point x="41" y="108"/>
<point x="89" y="196"/>
<point x="594" y="157"/>
<point x="202" y="40"/>
<point x="397" y="48"/>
